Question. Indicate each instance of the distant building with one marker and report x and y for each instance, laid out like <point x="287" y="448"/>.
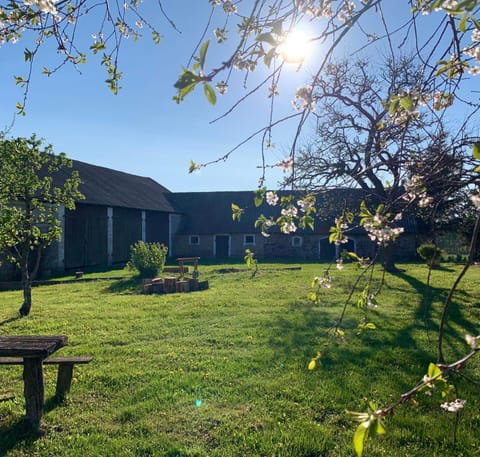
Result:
<point x="204" y="227"/>
<point x="120" y="208"/>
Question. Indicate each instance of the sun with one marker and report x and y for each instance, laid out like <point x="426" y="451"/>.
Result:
<point x="295" y="47"/>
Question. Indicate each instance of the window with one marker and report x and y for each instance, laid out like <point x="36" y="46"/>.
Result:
<point x="249" y="239"/>
<point x="194" y="240"/>
<point x="297" y="241"/>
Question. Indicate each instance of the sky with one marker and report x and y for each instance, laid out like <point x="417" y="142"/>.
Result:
<point x="142" y="130"/>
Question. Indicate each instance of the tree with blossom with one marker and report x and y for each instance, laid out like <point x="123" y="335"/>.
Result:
<point x="30" y="202"/>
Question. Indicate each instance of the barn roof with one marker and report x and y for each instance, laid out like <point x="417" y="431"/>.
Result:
<point x="104" y="186"/>
<point x="211" y="212"/>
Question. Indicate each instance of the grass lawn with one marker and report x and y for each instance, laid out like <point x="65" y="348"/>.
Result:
<point x="223" y="372"/>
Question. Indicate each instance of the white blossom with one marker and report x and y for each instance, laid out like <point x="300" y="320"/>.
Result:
<point x="425" y="201"/>
<point x="273" y="90"/>
<point x="220" y="34"/>
<point x="45" y="6"/>
<point x="229" y="7"/>
<point x="442" y="100"/>
<point x="476" y="35"/>
<point x="474" y="71"/>
<point x="304" y="99"/>
<point x="323" y="282"/>
<point x="305" y="205"/>
<point x="291" y="211"/>
<point x="346" y="11"/>
<point x="286" y="164"/>
<point x="272" y="198"/>
<point x="288" y="227"/>
<point x="222" y="87"/>
<point x="453" y="406"/>
<point x="472" y="341"/>
<point x="475" y="198"/>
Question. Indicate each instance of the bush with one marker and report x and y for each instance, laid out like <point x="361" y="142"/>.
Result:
<point x="147" y="258"/>
<point x="430" y="253"/>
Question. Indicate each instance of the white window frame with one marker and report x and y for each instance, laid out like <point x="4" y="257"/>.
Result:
<point x="191" y="237"/>
<point x="246" y="243"/>
<point x="297" y="241"/>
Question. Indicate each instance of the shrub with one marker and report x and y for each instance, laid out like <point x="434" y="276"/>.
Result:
<point x="147" y="258"/>
<point x="430" y="253"/>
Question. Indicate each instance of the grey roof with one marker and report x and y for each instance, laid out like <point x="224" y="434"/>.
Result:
<point x="211" y="213"/>
<point x="104" y="186"/>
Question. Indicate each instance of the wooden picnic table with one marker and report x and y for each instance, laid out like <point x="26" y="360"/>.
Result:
<point x="33" y="350"/>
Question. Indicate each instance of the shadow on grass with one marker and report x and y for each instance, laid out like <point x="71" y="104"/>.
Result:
<point x="10" y="319"/>
<point x="125" y="286"/>
<point x="302" y="334"/>
<point x="430" y="295"/>
<point x="21" y="433"/>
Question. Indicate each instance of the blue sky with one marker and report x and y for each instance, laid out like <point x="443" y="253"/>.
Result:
<point x="142" y="130"/>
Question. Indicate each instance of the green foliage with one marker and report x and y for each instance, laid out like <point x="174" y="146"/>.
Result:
<point x="148" y="259"/>
<point x="29" y="201"/>
<point x="236" y="212"/>
<point x="430" y="253"/>
<point x="251" y="261"/>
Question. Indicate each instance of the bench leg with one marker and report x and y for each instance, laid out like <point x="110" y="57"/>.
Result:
<point x="33" y="389"/>
<point x="64" y="380"/>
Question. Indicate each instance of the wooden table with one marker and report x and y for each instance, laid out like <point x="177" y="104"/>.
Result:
<point x="33" y="349"/>
<point x="194" y="260"/>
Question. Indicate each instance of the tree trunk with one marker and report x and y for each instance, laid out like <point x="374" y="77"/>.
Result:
<point x="389" y="258"/>
<point x="27" y="287"/>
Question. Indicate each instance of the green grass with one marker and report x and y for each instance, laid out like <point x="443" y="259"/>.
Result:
<point x="242" y="348"/>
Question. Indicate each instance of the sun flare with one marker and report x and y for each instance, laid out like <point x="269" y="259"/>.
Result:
<point x="294" y="48"/>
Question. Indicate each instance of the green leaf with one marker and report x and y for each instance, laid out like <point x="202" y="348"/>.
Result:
<point x="379" y="427"/>
<point x="193" y="166"/>
<point x="156" y="37"/>
<point x="186" y="79"/>
<point x="236" y="212"/>
<point x="475" y="22"/>
<point x="360" y="436"/>
<point x="406" y="103"/>
<point x="393" y="106"/>
<point x="267" y="59"/>
<point x="277" y="27"/>
<point x="97" y="47"/>
<point x="209" y="92"/>
<point x="267" y="38"/>
<point x="476" y="150"/>
<point x="462" y="26"/>
<point x="203" y="54"/>
<point x="258" y="196"/>
<point x="27" y="55"/>
<point x="433" y="370"/>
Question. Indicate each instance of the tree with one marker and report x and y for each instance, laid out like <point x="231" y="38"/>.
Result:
<point x="442" y="177"/>
<point x="29" y="202"/>
<point x="358" y="143"/>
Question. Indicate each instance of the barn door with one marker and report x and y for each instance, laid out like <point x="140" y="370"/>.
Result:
<point x="222" y="246"/>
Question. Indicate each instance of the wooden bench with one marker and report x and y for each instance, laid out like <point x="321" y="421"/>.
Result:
<point x="65" y="370"/>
